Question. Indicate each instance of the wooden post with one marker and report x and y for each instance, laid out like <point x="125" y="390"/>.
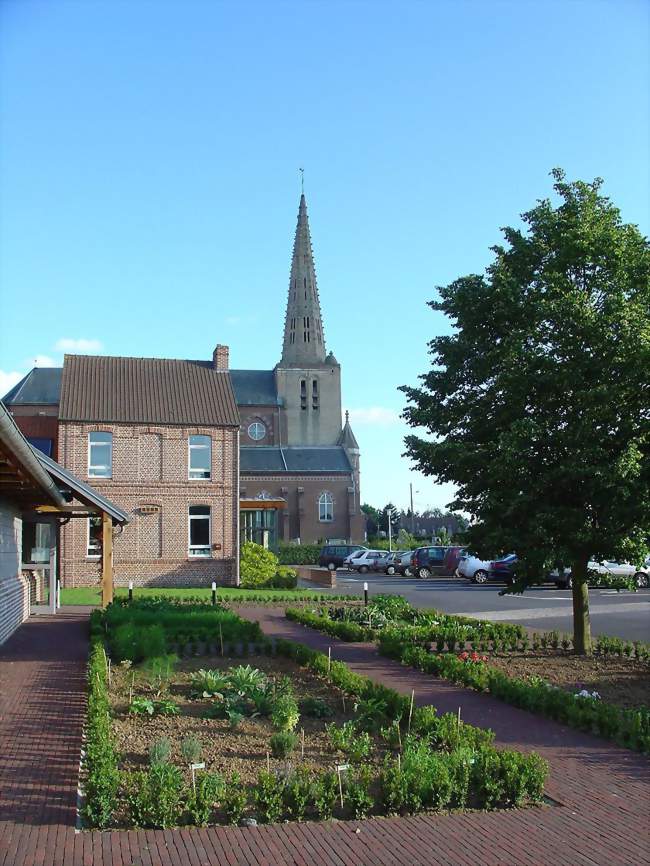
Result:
<point x="107" y="559"/>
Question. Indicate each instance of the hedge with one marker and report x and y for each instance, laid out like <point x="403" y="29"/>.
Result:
<point x="100" y="762"/>
<point x="299" y="554"/>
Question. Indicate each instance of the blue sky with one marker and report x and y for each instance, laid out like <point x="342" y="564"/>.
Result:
<point x="149" y="159"/>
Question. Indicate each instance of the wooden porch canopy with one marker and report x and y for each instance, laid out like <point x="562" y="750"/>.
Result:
<point x="39" y="485"/>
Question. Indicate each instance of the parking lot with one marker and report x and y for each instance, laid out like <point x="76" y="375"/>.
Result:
<point x="625" y="614"/>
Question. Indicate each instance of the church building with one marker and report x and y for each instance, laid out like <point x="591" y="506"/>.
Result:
<point x="201" y="456"/>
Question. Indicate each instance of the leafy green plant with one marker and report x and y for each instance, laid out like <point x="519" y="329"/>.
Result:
<point x="296" y="794"/>
<point x="234" y="799"/>
<point x="285" y="713"/>
<point x="268" y="797"/>
<point x="166" y="707"/>
<point x="235" y="718"/>
<point x="257" y="565"/>
<point x="160" y="751"/>
<point x="207" y="791"/>
<point x="140" y="706"/>
<point x="316" y="708"/>
<point x="357" y="793"/>
<point x="209" y="683"/>
<point x="191" y="749"/>
<point x="325" y="792"/>
<point x="245" y="678"/>
<point x="282" y="744"/>
<point x="158" y="672"/>
<point x="154" y="798"/>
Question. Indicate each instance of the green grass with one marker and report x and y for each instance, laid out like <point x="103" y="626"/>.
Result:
<point x="91" y="595"/>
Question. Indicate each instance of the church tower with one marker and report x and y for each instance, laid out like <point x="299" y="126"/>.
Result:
<point x="308" y="379"/>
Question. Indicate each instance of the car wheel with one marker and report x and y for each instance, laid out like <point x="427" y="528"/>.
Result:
<point x="480" y="576"/>
<point x="331" y="566"/>
<point x="390" y="569"/>
<point x="641" y="579"/>
<point x="363" y="569"/>
<point x="424" y="573"/>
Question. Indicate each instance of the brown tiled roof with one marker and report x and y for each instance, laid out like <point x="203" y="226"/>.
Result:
<point x="147" y="391"/>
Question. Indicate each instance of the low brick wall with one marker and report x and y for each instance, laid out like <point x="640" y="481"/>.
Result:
<point x="317" y="576"/>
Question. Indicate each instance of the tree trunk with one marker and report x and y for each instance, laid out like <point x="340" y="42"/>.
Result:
<point x="581" y="620"/>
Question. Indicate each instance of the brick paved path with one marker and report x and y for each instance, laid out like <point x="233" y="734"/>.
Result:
<point x="604" y="790"/>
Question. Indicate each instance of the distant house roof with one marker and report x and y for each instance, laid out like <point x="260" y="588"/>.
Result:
<point x="254" y="387"/>
<point x="41" y="385"/>
<point x="292" y="460"/>
<point x="147" y="391"/>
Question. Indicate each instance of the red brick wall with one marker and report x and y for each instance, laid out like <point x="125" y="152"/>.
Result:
<point x="41" y="421"/>
<point x="150" y="467"/>
<point x="268" y="415"/>
<point x="300" y="520"/>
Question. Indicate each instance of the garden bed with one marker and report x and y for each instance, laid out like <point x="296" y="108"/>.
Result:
<point x="280" y="733"/>
<point x="225" y="749"/>
<point x="623" y="682"/>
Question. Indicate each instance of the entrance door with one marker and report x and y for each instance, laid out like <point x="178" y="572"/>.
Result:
<point x="39" y="565"/>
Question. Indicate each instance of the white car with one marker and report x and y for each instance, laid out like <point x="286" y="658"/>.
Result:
<point x="617" y="569"/>
<point x="363" y="560"/>
<point x="473" y="568"/>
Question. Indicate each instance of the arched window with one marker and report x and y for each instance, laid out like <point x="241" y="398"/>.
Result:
<point x="325" y="507"/>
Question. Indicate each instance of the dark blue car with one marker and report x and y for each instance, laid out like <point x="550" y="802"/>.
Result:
<point x="501" y="570"/>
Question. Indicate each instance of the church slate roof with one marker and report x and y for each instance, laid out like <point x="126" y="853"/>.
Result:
<point x="255" y="387"/>
<point x="41" y="385"/>
<point x="293" y="460"/>
<point x="146" y="391"/>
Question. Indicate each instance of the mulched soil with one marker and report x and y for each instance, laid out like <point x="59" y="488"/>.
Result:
<point x="243" y="750"/>
<point x="621" y="681"/>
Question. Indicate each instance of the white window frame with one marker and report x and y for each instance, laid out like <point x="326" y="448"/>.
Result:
<point x="206" y="550"/>
<point x="190" y="447"/>
<point x="257" y="423"/>
<point x="92" y="468"/>
<point x="326" y="500"/>
<point x="98" y="548"/>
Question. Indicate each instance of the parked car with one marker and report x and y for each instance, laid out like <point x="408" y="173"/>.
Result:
<point x="473" y="568"/>
<point x="428" y="561"/>
<point x="363" y="560"/>
<point x="385" y="564"/>
<point x="501" y="570"/>
<point x="403" y="563"/>
<point x="332" y="556"/>
<point x="617" y="569"/>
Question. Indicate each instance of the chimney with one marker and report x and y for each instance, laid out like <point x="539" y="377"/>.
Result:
<point x="220" y="358"/>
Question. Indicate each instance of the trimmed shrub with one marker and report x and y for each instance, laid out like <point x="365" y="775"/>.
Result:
<point x="257" y="565"/>
<point x="282" y="744"/>
<point x="299" y="554"/>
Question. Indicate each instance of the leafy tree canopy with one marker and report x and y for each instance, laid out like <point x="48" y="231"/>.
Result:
<point x="538" y="405"/>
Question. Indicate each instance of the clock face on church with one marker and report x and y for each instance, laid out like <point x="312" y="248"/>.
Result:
<point x="256" y="431"/>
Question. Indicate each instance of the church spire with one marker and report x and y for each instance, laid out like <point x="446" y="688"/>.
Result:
<point x="304" y="343"/>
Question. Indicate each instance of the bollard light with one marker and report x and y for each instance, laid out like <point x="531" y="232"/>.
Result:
<point x="130" y="590"/>
<point x="365" y="594"/>
<point x="214" y="592"/>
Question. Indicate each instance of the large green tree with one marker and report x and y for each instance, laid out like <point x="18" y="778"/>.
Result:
<point x="537" y="406"/>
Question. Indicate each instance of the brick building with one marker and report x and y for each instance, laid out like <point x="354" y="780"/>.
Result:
<point x="160" y="437"/>
<point x="278" y="434"/>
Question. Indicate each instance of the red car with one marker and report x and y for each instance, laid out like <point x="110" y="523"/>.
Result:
<point x="429" y="561"/>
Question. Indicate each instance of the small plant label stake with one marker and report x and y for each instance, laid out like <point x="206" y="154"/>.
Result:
<point x="343" y="699"/>
<point x="411" y="710"/>
<point x="302" y="738"/>
<point x="339" y="769"/>
<point x="194" y="768"/>
<point x="268" y="763"/>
